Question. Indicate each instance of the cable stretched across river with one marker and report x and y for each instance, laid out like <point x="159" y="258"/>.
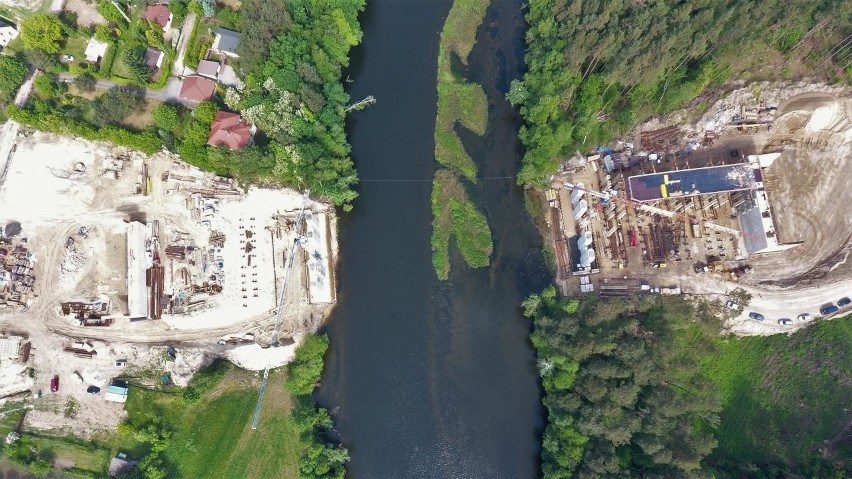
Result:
<point x="418" y="180"/>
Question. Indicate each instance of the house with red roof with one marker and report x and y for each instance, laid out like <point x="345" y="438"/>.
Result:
<point x="230" y="130"/>
<point x="197" y="88"/>
<point x="160" y="15"/>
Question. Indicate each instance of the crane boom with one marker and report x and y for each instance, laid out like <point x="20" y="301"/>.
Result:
<point x="650" y="209"/>
<point x="291" y="259"/>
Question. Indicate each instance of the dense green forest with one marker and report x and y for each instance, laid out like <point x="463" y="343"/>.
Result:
<point x="647" y="388"/>
<point x="461" y="104"/>
<point x="295" y="94"/>
<point x="598" y="67"/>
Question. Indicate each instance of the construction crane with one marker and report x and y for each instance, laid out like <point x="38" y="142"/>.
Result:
<point x="650" y="209"/>
<point x="297" y="242"/>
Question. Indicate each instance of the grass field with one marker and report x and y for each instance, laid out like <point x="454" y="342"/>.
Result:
<point x="457" y="217"/>
<point x="785" y="399"/>
<point x="213" y="437"/>
<point x="458" y="100"/>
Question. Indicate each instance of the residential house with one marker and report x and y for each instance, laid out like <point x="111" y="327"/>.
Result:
<point x="160" y="15"/>
<point x="154" y="58"/>
<point x="209" y="69"/>
<point x="230" y="130"/>
<point x="197" y="88"/>
<point x="95" y="50"/>
<point x="226" y="42"/>
<point x="8" y="32"/>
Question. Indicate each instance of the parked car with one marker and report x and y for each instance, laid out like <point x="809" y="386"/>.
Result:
<point x="804" y="317"/>
<point x="93" y="390"/>
<point x="756" y="316"/>
<point x="68" y="58"/>
<point x="785" y="321"/>
<point x="54" y="384"/>
<point x="843" y="302"/>
<point x="828" y="309"/>
<point x="732" y="305"/>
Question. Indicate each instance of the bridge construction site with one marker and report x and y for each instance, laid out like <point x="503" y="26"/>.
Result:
<point x="639" y="228"/>
<point x="150" y="252"/>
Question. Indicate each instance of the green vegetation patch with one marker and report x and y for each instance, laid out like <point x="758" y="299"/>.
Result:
<point x="456" y="216"/>
<point x="215" y="439"/>
<point x="623" y="390"/>
<point x="647" y="387"/>
<point x="783" y="400"/>
<point x="458" y="100"/>
<point x="204" y="430"/>
<point x="466" y="104"/>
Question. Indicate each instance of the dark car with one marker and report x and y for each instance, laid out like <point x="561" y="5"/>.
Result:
<point x="93" y="390"/>
<point x="54" y="384"/>
<point x="843" y="302"/>
<point x="828" y="309"/>
<point x="756" y="316"/>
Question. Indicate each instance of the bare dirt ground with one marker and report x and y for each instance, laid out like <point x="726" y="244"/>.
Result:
<point x="808" y="189"/>
<point x="57" y="185"/>
<point x="87" y="13"/>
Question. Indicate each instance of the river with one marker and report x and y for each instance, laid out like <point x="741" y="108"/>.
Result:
<point x="428" y="379"/>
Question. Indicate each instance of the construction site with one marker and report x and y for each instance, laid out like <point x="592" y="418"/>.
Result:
<point x="118" y="260"/>
<point x="745" y="198"/>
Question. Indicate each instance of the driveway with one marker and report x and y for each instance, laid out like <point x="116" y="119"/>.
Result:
<point x="185" y="33"/>
<point x="170" y="93"/>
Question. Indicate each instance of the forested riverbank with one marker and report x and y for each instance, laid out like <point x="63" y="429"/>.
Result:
<point x="648" y="387"/>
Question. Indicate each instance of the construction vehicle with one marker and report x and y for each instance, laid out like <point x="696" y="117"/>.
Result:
<point x="606" y="197"/>
<point x="297" y="242"/>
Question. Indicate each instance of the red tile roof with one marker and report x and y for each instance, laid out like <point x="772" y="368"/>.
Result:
<point x="229" y="130"/>
<point x="158" y="14"/>
<point x="197" y="88"/>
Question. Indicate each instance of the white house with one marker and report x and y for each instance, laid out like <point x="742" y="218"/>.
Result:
<point x="7" y="33"/>
<point x="95" y="50"/>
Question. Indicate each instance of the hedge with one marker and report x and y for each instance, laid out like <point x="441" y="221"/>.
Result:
<point x="106" y="61"/>
<point x="146" y="142"/>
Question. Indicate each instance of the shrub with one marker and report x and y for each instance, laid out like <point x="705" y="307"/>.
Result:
<point x="205" y="112"/>
<point x="47" y="87"/>
<point x="166" y="117"/>
<point x="13" y="72"/>
<point x="43" y="32"/>
<point x="107" y="61"/>
<point x="85" y="82"/>
<point x="55" y="122"/>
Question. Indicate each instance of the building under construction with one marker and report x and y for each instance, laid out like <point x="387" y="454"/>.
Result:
<point x="603" y="220"/>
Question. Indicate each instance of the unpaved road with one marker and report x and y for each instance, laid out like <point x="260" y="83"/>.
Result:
<point x="185" y="33"/>
<point x="774" y="304"/>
